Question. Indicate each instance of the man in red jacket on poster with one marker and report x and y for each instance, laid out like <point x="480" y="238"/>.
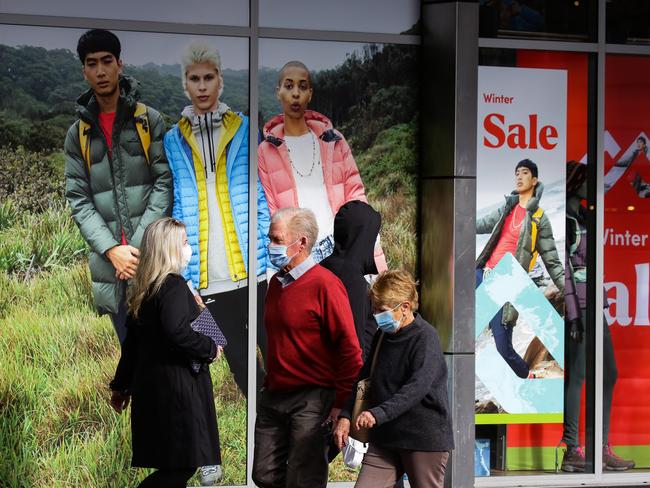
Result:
<point x="312" y="362"/>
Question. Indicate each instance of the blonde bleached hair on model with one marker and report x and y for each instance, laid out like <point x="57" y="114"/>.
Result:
<point x="160" y="256"/>
<point x="300" y="221"/>
<point x="197" y="52"/>
<point x="392" y="288"/>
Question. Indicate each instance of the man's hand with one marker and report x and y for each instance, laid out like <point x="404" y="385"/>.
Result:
<point x="119" y="401"/>
<point x="365" y="420"/>
<point x="199" y="301"/>
<point x="125" y="261"/>
<point x="341" y="432"/>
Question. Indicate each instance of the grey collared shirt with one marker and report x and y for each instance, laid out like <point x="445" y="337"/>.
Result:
<point x="286" y="279"/>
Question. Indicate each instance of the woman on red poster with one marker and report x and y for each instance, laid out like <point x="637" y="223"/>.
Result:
<point x="305" y="162"/>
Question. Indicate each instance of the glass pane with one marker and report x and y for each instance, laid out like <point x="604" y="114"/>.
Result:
<point x="340" y="15"/>
<point x="217" y="12"/>
<point x="538" y="19"/>
<point x="627" y="79"/>
<point x="524" y="359"/>
<point x="368" y="95"/>
<point x="58" y="354"/>
<point x="628" y="22"/>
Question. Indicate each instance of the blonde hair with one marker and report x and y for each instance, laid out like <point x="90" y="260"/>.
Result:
<point x="394" y="287"/>
<point x="300" y="221"/>
<point x="197" y="52"/>
<point x="160" y="256"/>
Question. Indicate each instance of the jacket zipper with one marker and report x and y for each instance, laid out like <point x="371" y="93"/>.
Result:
<point x="123" y="188"/>
<point x="110" y="165"/>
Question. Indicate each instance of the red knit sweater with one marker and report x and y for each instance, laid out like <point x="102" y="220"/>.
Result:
<point x="311" y="335"/>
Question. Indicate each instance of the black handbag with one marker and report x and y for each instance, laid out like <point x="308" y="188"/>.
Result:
<point x="206" y="325"/>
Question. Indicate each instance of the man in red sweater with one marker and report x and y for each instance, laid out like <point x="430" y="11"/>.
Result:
<point x="313" y="359"/>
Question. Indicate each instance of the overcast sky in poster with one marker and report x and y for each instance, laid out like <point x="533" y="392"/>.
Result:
<point x="139" y="48"/>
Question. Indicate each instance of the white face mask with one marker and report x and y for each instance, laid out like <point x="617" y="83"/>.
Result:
<point x="186" y="255"/>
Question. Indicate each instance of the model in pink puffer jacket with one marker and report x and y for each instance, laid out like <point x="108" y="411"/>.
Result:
<point x="340" y="173"/>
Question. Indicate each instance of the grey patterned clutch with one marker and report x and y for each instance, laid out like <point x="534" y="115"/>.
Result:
<point x="206" y="325"/>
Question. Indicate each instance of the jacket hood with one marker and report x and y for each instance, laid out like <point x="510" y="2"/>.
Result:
<point x="356" y="227"/>
<point x="315" y="121"/>
<point x="533" y="203"/>
<point x="216" y="116"/>
<point x="88" y="108"/>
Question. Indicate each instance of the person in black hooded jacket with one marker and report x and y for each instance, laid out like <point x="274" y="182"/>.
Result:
<point x="356" y="227"/>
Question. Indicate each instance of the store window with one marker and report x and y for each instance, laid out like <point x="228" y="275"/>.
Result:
<point x="626" y="256"/>
<point x="538" y="19"/>
<point x="58" y="354"/>
<point x="628" y="22"/>
<point x="529" y="408"/>
<point x="219" y="12"/>
<point x="340" y="15"/>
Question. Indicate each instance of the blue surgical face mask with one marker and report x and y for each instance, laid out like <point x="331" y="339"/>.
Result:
<point x="278" y="254"/>
<point x="386" y="322"/>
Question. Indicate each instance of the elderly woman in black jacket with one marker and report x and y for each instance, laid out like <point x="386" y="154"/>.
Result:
<point x="409" y="418"/>
<point x="173" y="418"/>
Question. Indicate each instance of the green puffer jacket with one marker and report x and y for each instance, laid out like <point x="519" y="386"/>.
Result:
<point x="120" y="191"/>
<point x="545" y="245"/>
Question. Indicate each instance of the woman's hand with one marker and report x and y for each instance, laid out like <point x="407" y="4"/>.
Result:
<point x="199" y="301"/>
<point x="341" y="432"/>
<point x="218" y="355"/>
<point x="119" y="401"/>
<point x="365" y="420"/>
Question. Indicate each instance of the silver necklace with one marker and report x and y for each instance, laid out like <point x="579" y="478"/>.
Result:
<point x="313" y="158"/>
<point x="514" y="226"/>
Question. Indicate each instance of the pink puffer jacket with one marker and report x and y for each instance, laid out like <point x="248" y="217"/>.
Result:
<point x="340" y="173"/>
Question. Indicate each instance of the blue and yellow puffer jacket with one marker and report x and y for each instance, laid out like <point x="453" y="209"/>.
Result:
<point x="190" y="197"/>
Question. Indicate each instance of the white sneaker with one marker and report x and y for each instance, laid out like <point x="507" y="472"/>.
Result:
<point x="211" y="475"/>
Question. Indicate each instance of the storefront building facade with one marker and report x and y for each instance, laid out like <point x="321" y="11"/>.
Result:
<point x="439" y="101"/>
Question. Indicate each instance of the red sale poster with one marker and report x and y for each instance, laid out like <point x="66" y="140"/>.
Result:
<point x="626" y="237"/>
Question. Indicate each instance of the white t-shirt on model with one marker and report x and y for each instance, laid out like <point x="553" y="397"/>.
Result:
<point x="304" y="154"/>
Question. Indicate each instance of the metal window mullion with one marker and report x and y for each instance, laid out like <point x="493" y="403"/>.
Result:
<point x="333" y="35"/>
<point x="253" y="105"/>
<point x="600" y="220"/>
<point x="209" y="30"/>
<point x="627" y="49"/>
<point x="539" y="45"/>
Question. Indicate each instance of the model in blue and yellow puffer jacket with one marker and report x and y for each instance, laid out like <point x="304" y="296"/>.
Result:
<point x="185" y="145"/>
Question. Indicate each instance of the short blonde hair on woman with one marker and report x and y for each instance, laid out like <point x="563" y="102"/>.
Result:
<point x="197" y="52"/>
<point x="394" y="287"/>
<point x="300" y="221"/>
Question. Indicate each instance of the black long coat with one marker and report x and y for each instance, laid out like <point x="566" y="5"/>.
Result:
<point x="173" y="419"/>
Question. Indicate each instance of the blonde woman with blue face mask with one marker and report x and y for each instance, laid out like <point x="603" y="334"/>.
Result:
<point x="173" y="418"/>
<point x="408" y="420"/>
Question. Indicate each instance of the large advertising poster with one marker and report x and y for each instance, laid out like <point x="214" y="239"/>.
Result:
<point x="522" y="145"/>
<point x="627" y="250"/>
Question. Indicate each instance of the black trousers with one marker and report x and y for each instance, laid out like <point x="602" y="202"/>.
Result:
<point x="291" y="440"/>
<point x="230" y="310"/>
<point x="574" y="377"/>
<point x="168" y="478"/>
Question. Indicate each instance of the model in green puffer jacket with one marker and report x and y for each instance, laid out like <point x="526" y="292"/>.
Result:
<point x="116" y="191"/>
